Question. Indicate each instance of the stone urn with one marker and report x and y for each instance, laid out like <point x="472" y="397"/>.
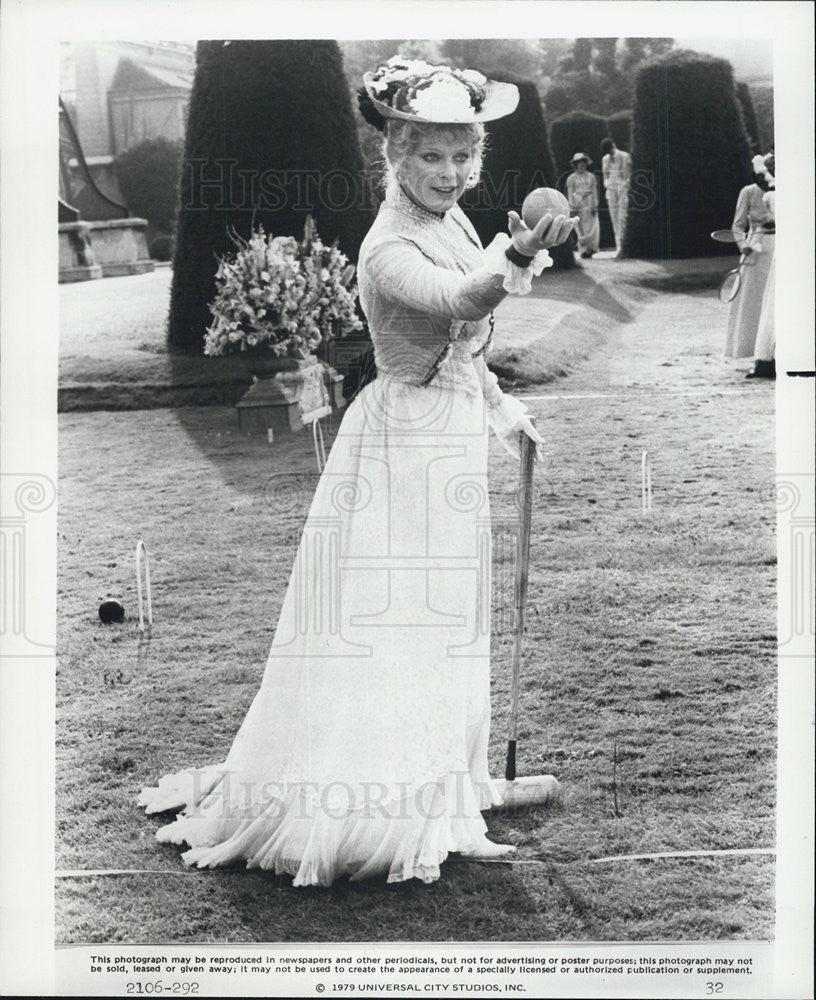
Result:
<point x="287" y="393"/>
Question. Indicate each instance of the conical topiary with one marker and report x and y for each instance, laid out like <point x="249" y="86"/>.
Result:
<point x="690" y="157"/>
<point x="270" y="139"/>
<point x="517" y="160"/>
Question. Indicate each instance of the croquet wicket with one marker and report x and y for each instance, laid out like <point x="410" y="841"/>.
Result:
<point x="142" y="555"/>
<point x="646" y="482"/>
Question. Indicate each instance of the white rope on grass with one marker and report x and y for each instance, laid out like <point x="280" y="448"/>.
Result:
<point x="730" y="852"/>
<point x="104" y="872"/>
<point x="634" y="395"/>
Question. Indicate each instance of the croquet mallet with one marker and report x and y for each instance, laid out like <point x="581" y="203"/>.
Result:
<point x="537" y="789"/>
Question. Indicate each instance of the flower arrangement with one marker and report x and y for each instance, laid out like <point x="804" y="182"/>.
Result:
<point x="421" y="88"/>
<point x="278" y="293"/>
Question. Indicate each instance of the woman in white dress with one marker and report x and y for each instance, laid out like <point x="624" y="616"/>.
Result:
<point x="582" y="194"/>
<point x="765" y="348"/>
<point x="753" y="231"/>
<point x="364" y="753"/>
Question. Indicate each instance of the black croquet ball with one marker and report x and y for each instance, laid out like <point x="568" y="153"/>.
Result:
<point x="111" y="611"/>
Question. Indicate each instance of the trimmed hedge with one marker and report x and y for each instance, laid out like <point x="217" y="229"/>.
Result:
<point x="148" y="177"/>
<point x="270" y="139"/>
<point x="762" y="100"/>
<point x="517" y="160"/>
<point x="582" y="131"/>
<point x="690" y="157"/>
<point x="576" y="131"/>
<point x="749" y="118"/>
<point x="161" y="248"/>
<point x="619" y="129"/>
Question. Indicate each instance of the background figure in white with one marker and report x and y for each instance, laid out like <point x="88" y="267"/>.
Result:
<point x="765" y="349"/>
<point x="616" y="167"/>
<point x="582" y="194"/>
<point x="753" y="228"/>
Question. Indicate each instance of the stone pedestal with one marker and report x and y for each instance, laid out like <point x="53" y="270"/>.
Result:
<point x="103" y="249"/>
<point x="76" y="256"/>
<point x="290" y="399"/>
<point x="120" y="246"/>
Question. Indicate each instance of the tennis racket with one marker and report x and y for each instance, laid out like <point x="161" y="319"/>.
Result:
<point x="729" y="236"/>
<point x="730" y="285"/>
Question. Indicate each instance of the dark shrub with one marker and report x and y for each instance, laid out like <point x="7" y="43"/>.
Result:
<point x="619" y="129"/>
<point x="161" y="248"/>
<point x="573" y="132"/>
<point x="582" y="131"/>
<point x="762" y="98"/>
<point x="148" y="177"/>
<point x="749" y="118"/>
<point x="690" y="157"/>
<point x="270" y="139"/>
<point x="557" y="100"/>
<point x="518" y="159"/>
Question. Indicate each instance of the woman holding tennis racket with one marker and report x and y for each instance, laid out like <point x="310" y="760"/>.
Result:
<point x="753" y="232"/>
<point x="765" y="349"/>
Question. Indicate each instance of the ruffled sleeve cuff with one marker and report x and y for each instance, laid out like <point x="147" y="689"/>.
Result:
<point x="504" y="414"/>
<point x="517" y="280"/>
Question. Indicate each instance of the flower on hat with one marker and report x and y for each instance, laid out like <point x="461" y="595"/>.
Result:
<point x="417" y="86"/>
<point x="441" y="96"/>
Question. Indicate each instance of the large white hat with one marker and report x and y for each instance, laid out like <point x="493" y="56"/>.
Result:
<point x="414" y="90"/>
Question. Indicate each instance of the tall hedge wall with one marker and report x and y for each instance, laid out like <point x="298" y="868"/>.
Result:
<point x="576" y="131"/>
<point x="749" y="117"/>
<point x="582" y="131"/>
<point x="619" y="129"/>
<point x="270" y="138"/>
<point x="517" y="160"/>
<point x="762" y="99"/>
<point x="690" y="156"/>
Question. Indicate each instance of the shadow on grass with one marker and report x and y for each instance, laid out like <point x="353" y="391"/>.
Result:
<point x="581" y="287"/>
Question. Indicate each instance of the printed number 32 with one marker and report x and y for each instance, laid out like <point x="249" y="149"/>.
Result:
<point x="712" y="988"/>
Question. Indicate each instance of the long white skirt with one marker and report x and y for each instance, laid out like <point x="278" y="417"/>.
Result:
<point x="589" y="230"/>
<point x="745" y="310"/>
<point x="365" y="750"/>
<point x="765" y="348"/>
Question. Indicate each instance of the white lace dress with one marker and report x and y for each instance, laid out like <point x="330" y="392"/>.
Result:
<point x="364" y="752"/>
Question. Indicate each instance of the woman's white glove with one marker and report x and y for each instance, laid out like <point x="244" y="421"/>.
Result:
<point x="510" y="439"/>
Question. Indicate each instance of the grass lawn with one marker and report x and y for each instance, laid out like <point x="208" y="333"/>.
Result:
<point x="652" y="632"/>
<point x="113" y="351"/>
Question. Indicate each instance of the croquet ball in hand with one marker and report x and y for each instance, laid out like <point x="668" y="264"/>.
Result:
<point x="111" y="611"/>
<point x="540" y="202"/>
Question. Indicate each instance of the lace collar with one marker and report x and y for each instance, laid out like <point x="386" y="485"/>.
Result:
<point x="401" y="200"/>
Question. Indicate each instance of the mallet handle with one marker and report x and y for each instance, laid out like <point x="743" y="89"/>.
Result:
<point x="527" y="459"/>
